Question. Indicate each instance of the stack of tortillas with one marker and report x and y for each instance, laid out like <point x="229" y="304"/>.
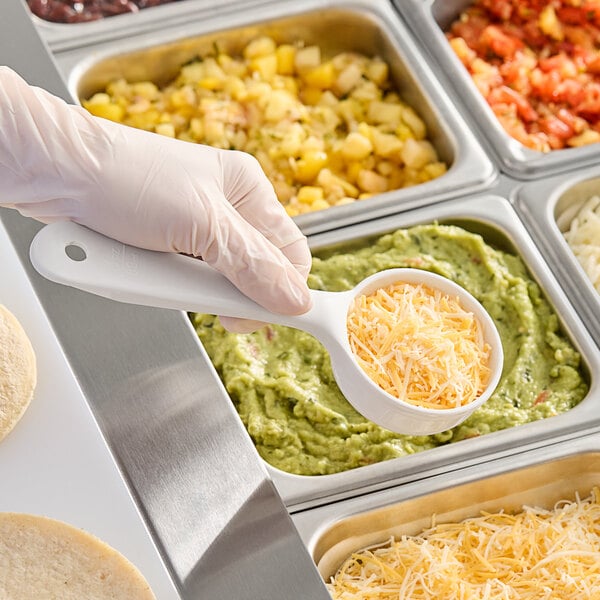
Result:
<point x="45" y="559"/>
<point x="17" y="371"/>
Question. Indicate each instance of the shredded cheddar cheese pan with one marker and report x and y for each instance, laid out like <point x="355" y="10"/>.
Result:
<point x="527" y="533"/>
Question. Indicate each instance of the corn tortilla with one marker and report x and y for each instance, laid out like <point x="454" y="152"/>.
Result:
<point x="18" y="373"/>
<point x="47" y="559"/>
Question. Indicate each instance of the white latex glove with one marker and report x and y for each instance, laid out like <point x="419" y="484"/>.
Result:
<point x="58" y="162"/>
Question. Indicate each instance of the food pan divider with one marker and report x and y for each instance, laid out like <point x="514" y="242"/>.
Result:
<point x="363" y="25"/>
<point x="539" y="478"/>
<point x="540" y="204"/>
<point x="428" y="20"/>
<point x="496" y="219"/>
<point x="62" y="36"/>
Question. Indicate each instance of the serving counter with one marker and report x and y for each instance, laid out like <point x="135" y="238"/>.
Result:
<point x="178" y="449"/>
<point x="219" y="519"/>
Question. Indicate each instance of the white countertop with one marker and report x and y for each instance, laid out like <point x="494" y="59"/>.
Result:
<point x="56" y="462"/>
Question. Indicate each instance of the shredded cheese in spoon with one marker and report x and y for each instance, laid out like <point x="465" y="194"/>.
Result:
<point x="536" y="554"/>
<point x="419" y="345"/>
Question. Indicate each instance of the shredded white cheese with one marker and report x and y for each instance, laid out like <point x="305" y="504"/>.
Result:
<point x="419" y="345"/>
<point x="583" y="237"/>
<point x="536" y="554"/>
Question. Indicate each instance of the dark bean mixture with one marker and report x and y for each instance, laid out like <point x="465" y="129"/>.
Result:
<point x="79" y="11"/>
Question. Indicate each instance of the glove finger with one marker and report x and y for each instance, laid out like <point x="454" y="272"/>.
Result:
<point x="252" y="263"/>
<point x="248" y="189"/>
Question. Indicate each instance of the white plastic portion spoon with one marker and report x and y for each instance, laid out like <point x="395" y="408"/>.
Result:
<point x="73" y="255"/>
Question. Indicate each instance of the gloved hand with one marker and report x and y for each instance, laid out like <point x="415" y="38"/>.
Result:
<point x="58" y="162"/>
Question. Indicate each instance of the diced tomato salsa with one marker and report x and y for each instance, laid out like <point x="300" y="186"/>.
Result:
<point x="537" y="64"/>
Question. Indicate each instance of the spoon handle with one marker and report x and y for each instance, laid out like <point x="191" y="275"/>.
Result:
<point x="74" y="255"/>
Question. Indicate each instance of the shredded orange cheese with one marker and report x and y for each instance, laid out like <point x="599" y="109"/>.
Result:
<point x="419" y="345"/>
<point x="536" y="554"/>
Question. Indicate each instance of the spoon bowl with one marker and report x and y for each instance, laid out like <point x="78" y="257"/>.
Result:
<point x="73" y="255"/>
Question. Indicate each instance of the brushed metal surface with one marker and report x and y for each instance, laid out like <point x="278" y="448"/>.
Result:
<point x="214" y="514"/>
<point x="428" y="19"/>
<point x="371" y="27"/>
<point x="541" y="205"/>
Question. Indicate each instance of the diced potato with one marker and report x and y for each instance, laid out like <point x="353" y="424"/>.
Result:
<point x="329" y="99"/>
<point x="139" y="105"/>
<point x="308" y="194"/>
<point x="312" y="144"/>
<point x="349" y="78"/>
<point x="265" y="66"/>
<point x="403" y="132"/>
<point x="279" y="105"/>
<point x="183" y="97"/>
<point x="369" y="181"/>
<point x="356" y="146"/>
<point x="417" y="153"/>
<point x="257" y="90"/>
<point x="191" y="73"/>
<point x="414" y="122"/>
<point x="385" y="112"/>
<point x="235" y="87"/>
<point x="337" y="186"/>
<point x="292" y="142"/>
<point x="386" y="144"/>
<point x="167" y="129"/>
<point x="432" y="171"/>
<point x="286" y="83"/>
<point x="384" y="167"/>
<point x="377" y="72"/>
<point x="214" y="131"/>
<point x="231" y="66"/>
<point x="320" y="204"/>
<point x="307" y="58"/>
<point x="145" y="89"/>
<point x="366" y="91"/>
<point x="261" y="46"/>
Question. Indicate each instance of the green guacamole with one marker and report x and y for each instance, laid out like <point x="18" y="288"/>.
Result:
<point x="281" y="382"/>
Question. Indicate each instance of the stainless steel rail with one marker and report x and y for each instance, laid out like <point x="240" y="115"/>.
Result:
<point x="205" y="495"/>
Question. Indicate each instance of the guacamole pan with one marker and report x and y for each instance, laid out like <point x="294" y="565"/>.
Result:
<point x="429" y="19"/>
<point x="369" y="27"/>
<point x="538" y="478"/>
<point x="496" y="221"/>
<point x="548" y="208"/>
